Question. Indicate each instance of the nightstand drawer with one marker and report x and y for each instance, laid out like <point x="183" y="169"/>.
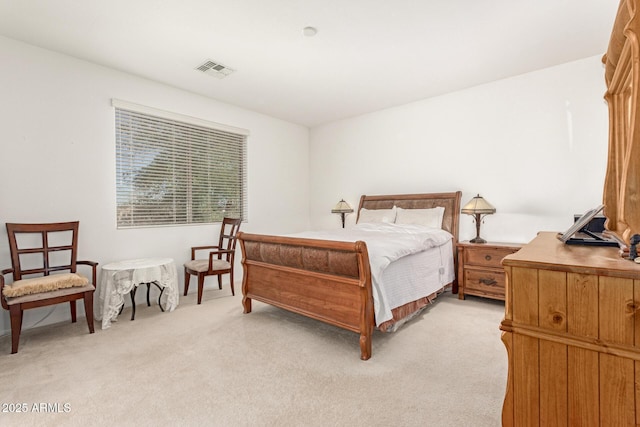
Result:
<point x="480" y="271"/>
<point x="486" y="256"/>
<point x="484" y="282"/>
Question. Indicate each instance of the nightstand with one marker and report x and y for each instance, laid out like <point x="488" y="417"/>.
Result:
<point x="480" y="271"/>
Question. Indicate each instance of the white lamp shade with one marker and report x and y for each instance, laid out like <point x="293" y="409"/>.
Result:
<point x="342" y="207"/>
<point x="478" y="205"/>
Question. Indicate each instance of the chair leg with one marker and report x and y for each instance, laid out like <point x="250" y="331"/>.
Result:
<point x="187" y="276"/>
<point x="15" y="313"/>
<point x="231" y="280"/>
<point x="88" y="309"/>
<point x="200" y="287"/>
<point x="74" y="316"/>
<point x="219" y="281"/>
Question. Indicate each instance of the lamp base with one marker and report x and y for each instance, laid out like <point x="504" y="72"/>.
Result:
<point x="478" y="239"/>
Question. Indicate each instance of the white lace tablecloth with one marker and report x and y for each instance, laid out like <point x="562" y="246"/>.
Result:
<point x="117" y="279"/>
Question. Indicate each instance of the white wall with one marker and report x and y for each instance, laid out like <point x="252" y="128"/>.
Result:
<point x="58" y="159"/>
<point x="535" y="146"/>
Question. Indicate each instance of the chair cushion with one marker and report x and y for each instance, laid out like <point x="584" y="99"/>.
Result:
<point x="37" y="285"/>
<point x="51" y="294"/>
<point x="202" y="265"/>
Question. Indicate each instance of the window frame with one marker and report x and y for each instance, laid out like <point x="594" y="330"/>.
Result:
<point x="189" y="131"/>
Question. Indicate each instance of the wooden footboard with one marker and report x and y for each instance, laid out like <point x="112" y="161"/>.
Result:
<point x="326" y="280"/>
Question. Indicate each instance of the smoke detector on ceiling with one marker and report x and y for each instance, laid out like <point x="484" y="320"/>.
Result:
<point x="215" y="69"/>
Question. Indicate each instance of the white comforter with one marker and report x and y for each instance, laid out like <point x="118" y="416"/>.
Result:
<point x="386" y="243"/>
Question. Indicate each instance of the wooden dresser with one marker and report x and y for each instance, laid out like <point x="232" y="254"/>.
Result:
<point x="572" y="333"/>
<point x="480" y="271"/>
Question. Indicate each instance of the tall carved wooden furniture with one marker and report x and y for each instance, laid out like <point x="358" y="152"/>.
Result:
<point x="572" y="313"/>
<point x="40" y="254"/>
<point x="219" y="261"/>
<point x="572" y="333"/>
<point x="622" y="72"/>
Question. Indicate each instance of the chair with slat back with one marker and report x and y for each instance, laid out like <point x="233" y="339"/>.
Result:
<point x="40" y="256"/>
<point x="219" y="261"/>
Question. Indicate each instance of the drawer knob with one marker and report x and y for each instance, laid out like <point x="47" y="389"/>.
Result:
<point x="488" y="282"/>
<point x="487" y="257"/>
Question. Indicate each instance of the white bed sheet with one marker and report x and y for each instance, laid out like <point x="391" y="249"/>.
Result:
<point x="419" y="275"/>
<point x="408" y="262"/>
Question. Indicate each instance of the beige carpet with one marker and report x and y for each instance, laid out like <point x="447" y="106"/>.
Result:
<point x="213" y="365"/>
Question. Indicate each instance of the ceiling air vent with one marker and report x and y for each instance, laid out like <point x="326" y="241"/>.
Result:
<point x="215" y="69"/>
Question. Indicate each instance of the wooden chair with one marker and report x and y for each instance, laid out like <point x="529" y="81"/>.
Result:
<point x="220" y="260"/>
<point x="39" y="250"/>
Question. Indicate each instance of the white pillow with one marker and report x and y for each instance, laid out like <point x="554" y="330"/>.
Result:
<point x="428" y="217"/>
<point x="377" y="215"/>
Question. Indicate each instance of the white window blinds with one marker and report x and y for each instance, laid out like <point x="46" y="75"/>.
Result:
<point x="170" y="171"/>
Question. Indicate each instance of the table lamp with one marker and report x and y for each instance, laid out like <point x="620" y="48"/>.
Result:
<point x="342" y="208"/>
<point x="479" y="208"/>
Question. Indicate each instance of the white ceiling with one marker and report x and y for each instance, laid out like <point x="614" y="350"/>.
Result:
<point x="367" y="54"/>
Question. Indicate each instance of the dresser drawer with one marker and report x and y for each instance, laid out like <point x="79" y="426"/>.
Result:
<point x="485" y="282"/>
<point x="486" y="256"/>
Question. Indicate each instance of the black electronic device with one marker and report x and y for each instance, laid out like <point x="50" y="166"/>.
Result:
<point x="596" y="224"/>
<point x="588" y="230"/>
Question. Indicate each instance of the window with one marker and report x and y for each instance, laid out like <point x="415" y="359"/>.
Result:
<point x="173" y="169"/>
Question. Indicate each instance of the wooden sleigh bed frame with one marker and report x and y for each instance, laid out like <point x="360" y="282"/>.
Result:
<point x="330" y="280"/>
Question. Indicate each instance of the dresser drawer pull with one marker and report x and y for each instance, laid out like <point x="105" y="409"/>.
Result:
<point x="487" y="257"/>
<point x="488" y="282"/>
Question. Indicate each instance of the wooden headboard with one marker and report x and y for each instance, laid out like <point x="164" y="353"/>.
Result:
<point x="450" y="202"/>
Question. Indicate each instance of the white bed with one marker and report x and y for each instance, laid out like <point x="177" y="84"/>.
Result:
<point x="343" y="279"/>
<point x="408" y="261"/>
